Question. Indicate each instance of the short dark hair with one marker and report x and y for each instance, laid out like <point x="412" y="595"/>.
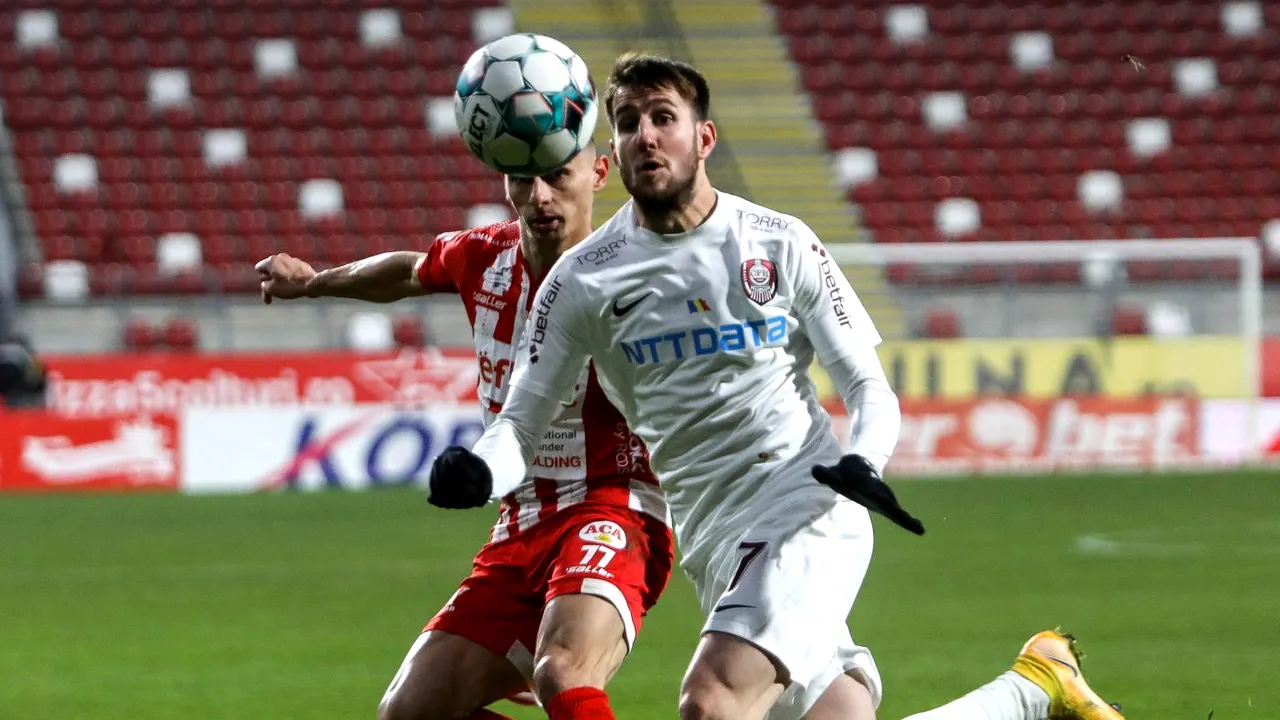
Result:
<point x="637" y="70"/>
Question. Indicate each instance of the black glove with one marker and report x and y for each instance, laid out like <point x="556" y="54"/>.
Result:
<point x="459" y="480"/>
<point x="857" y="479"/>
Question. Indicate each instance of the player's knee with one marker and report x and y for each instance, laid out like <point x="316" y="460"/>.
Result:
<point x="558" y="668"/>
<point x="406" y="704"/>
<point x="393" y="707"/>
<point x="710" y="702"/>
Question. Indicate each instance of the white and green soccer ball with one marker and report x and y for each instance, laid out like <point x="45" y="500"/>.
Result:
<point x="525" y="104"/>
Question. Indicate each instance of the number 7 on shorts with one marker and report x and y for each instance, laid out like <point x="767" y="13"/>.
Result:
<point x="750" y="551"/>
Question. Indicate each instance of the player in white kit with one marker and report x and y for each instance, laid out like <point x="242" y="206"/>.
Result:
<point x="702" y="312"/>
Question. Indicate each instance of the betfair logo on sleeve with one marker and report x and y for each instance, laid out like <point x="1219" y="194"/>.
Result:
<point x="540" y="321"/>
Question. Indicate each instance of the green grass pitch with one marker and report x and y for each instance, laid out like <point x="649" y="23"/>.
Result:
<point x="301" y="606"/>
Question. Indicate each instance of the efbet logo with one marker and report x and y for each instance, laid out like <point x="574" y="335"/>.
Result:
<point x="698" y="305"/>
<point x="604" y="532"/>
<point x="682" y="344"/>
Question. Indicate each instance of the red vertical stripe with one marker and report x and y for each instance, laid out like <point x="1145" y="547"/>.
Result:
<point x="545" y="491"/>
<point x="513" y="314"/>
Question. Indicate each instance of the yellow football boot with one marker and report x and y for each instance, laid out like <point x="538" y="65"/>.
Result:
<point x="1051" y="660"/>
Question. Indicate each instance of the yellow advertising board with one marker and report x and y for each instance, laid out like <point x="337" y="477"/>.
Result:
<point x="1208" y="366"/>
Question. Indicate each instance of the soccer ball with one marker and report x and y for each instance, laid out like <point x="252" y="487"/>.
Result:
<point x="525" y="104"/>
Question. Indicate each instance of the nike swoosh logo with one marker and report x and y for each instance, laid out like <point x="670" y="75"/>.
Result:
<point x="731" y="606"/>
<point x="1063" y="663"/>
<point x="620" y="310"/>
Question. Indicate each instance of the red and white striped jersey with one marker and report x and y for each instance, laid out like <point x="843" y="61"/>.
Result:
<point x="588" y="453"/>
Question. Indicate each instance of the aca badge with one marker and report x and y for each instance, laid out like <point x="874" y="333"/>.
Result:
<point x="604" y="532"/>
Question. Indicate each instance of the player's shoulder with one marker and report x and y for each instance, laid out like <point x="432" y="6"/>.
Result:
<point x="754" y="219"/>
<point x="498" y="236"/>
<point x="603" y="248"/>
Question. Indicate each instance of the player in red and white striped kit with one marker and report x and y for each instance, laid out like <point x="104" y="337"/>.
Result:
<point x="583" y="548"/>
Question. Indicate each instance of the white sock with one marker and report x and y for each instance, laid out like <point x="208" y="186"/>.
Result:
<point x="1008" y="697"/>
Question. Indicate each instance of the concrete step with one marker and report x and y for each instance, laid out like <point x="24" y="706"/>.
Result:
<point x="724" y="15"/>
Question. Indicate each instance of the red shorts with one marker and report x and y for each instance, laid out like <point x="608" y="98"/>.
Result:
<point x="614" y="553"/>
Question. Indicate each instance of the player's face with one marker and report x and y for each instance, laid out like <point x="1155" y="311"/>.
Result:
<point x="659" y="146"/>
<point x="557" y="206"/>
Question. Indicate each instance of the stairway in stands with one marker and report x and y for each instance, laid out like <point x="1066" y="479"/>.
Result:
<point x="764" y="116"/>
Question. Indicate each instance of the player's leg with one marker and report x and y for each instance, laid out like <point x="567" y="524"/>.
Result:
<point x="581" y="645"/>
<point x="611" y="565"/>
<point x="846" y="697"/>
<point x="446" y="676"/>
<point x="478" y="648"/>
<point x="1046" y="681"/>
<point x="786" y="595"/>
<point x="730" y="679"/>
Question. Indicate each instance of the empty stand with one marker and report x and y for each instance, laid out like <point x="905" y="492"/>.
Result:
<point x="1030" y="111"/>
<point x="166" y="147"/>
<point x="238" y="126"/>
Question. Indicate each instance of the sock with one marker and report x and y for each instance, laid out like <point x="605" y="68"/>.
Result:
<point x="486" y="714"/>
<point x="580" y="703"/>
<point x="1008" y="697"/>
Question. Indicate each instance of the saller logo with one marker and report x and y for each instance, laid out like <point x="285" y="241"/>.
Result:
<point x="759" y="280"/>
<point x="604" y="532"/>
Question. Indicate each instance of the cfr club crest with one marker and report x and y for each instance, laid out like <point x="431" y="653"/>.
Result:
<point x="759" y="280"/>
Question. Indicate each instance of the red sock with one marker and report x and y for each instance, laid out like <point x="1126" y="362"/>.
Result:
<point x="581" y="703"/>
<point x="486" y="714"/>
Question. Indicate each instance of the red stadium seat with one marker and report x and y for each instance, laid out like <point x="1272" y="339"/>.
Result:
<point x="408" y="331"/>
<point x="940" y="324"/>
<point x="180" y="334"/>
<point x="1129" y="321"/>
<point x="140" y="334"/>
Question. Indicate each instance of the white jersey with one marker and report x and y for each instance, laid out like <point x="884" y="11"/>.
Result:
<point x="703" y="341"/>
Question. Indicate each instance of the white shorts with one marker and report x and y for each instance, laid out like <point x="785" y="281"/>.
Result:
<point x="787" y="586"/>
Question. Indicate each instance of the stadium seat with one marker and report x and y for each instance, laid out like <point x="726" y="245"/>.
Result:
<point x="940" y="324"/>
<point x="180" y="334"/>
<point x="1129" y="321"/>
<point x="370" y="332"/>
<point x="140" y="334"/>
<point x="408" y="331"/>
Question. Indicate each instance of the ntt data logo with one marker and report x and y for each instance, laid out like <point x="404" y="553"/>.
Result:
<point x="680" y="345"/>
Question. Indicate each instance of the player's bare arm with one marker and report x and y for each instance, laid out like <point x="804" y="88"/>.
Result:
<point x="382" y="278"/>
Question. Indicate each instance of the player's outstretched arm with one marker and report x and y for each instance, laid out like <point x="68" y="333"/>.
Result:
<point x="382" y="278"/>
